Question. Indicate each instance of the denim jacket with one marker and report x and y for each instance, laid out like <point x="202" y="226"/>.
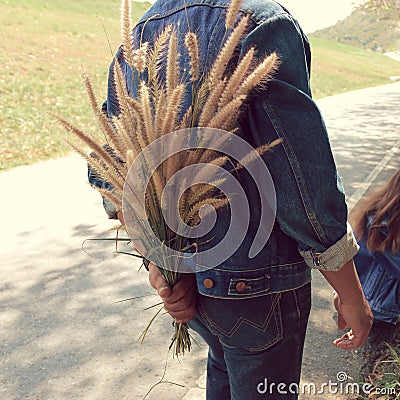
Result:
<point x="311" y="229"/>
<point x="379" y="274"/>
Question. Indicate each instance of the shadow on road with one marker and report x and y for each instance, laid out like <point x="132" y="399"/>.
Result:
<point x="64" y="336"/>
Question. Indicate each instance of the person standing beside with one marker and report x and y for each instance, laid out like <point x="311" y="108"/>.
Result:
<point x="376" y="222"/>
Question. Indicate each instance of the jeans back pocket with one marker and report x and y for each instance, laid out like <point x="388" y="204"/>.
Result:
<point x="252" y="324"/>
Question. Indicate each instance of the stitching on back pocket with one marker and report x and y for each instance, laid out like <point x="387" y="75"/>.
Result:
<point x="245" y="332"/>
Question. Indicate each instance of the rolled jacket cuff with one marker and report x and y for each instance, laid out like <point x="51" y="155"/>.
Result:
<point x="333" y="258"/>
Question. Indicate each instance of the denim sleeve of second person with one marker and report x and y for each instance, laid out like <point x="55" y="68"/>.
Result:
<point x="311" y="204"/>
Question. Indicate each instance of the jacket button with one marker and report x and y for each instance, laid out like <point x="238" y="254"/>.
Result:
<point x="241" y="287"/>
<point x="208" y="283"/>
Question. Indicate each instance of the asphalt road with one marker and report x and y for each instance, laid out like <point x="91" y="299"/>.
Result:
<point x="62" y="333"/>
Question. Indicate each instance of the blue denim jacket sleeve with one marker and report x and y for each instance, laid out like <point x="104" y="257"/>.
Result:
<point x="380" y="279"/>
<point x="311" y="204"/>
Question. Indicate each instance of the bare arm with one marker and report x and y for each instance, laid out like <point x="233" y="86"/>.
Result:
<point x="352" y="307"/>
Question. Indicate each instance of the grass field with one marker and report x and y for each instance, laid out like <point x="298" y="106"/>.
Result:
<point x="338" y="68"/>
<point x="47" y="45"/>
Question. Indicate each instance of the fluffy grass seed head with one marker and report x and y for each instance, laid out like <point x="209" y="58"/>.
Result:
<point x="232" y="12"/>
<point x="192" y="47"/>
<point x="126" y="31"/>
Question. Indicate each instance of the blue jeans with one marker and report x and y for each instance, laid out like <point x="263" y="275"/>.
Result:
<point x="254" y="344"/>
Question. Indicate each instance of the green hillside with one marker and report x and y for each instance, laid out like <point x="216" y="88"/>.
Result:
<point x="49" y="44"/>
<point x="338" y="68"/>
<point x="365" y="29"/>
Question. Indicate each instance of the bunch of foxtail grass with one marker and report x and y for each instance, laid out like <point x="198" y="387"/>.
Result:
<point x="216" y="96"/>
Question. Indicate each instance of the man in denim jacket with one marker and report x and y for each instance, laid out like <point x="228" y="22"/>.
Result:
<point x="253" y="312"/>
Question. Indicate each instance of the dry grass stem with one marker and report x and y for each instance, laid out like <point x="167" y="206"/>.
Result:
<point x="172" y="64"/>
<point x="123" y="141"/>
<point x="223" y="118"/>
<point x="214" y="202"/>
<point x="236" y="78"/>
<point x="110" y="135"/>
<point x="211" y="103"/>
<point x="146" y="113"/>
<point x="226" y="53"/>
<point x="100" y="152"/>
<point x="100" y="168"/>
<point x="232" y="12"/>
<point x="156" y="55"/>
<point x="160" y="113"/>
<point x="126" y="31"/>
<point x="173" y="109"/>
<point x="261" y="74"/>
<point x="203" y="191"/>
<point x="253" y="156"/>
<point x="112" y="196"/>
<point x="140" y="58"/>
<point x="129" y="119"/>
